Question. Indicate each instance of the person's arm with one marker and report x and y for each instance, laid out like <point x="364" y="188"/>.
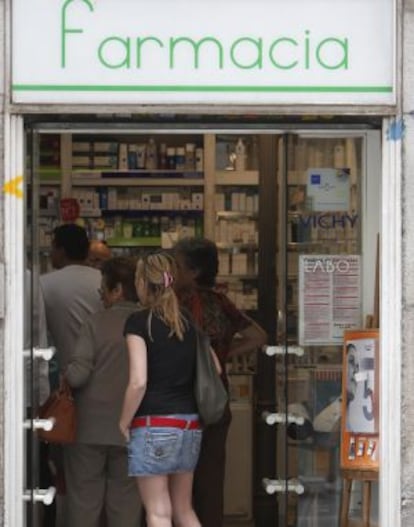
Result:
<point x="216" y="361"/>
<point x="137" y="383"/>
<point x="80" y="366"/>
<point x="248" y="339"/>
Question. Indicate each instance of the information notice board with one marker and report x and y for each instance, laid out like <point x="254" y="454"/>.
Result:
<point x="360" y="400"/>
<point x="329" y="298"/>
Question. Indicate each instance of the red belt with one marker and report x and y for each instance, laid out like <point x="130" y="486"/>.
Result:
<point x="170" y="422"/>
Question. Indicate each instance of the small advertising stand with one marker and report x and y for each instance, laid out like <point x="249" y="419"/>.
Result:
<point x="360" y="418"/>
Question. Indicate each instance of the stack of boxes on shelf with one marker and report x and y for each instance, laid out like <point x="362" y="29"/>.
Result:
<point x="49" y="157"/>
<point x="240" y="231"/>
<point x="237" y="277"/>
<point x="242" y="226"/>
<point x="99" y="155"/>
<point x="145" y="155"/>
<point x="93" y="201"/>
<point x="237" y="200"/>
<point x="236" y="229"/>
<point x="124" y="215"/>
<point x="48" y="201"/>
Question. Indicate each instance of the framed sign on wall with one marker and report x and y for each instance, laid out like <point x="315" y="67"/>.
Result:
<point x="360" y="439"/>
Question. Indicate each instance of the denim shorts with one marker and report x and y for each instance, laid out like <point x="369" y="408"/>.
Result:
<point x="163" y="450"/>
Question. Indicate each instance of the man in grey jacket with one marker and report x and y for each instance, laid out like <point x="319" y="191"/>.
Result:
<point x="71" y="294"/>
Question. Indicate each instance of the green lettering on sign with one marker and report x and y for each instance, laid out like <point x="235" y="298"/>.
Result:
<point x="64" y="30"/>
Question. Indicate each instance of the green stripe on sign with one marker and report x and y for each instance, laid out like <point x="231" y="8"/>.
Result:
<point x="177" y="88"/>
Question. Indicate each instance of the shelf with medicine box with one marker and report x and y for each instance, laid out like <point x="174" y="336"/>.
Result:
<point x="235" y="215"/>
<point x="133" y="189"/>
<point x="113" y="198"/>
<point x="236" y="207"/>
<point x="122" y="181"/>
<point x="50" y="160"/>
<point x="145" y="229"/>
<point x="233" y="177"/>
<point x="134" y="242"/>
<point x="139" y="152"/>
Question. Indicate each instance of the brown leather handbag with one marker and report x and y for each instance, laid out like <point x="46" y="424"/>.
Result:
<point x="59" y="406"/>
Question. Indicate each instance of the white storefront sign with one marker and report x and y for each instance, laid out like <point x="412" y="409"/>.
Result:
<point x="204" y="51"/>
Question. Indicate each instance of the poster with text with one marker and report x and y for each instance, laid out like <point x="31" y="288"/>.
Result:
<point x="328" y="189"/>
<point x="329" y="298"/>
<point x="360" y="400"/>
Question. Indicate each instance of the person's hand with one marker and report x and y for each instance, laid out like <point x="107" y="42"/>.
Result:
<point x="124" y="431"/>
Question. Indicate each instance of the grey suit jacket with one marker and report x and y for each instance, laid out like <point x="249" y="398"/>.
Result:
<point x="70" y="295"/>
<point x="98" y="372"/>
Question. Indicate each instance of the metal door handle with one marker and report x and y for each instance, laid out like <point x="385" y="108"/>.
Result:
<point x="273" y="486"/>
<point x="282" y="350"/>
<point x="40" y="424"/>
<point x="46" y="496"/>
<point x="273" y="418"/>
<point x="40" y="353"/>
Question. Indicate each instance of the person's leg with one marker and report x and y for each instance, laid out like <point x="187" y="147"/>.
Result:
<point x="181" y="486"/>
<point x="85" y="484"/>
<point x="208" y="489"/>
<point x="156" y="500"/>
<point x="122" y="503"/>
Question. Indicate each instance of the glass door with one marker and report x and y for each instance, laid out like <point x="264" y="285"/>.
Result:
<point x="323" y="280"/>
<point x="39" y="493"/>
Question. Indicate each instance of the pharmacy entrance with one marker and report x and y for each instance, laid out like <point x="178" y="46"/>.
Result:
<point x="270" y="129"/>
<point x="295" y="214"/>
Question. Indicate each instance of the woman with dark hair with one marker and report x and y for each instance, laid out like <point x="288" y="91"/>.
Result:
<point x="159" y="417"/>
<point x="197" y="263"/>
<point x="96" y="464"/>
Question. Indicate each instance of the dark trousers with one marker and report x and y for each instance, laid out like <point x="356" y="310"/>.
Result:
<point x="208" y="490"/>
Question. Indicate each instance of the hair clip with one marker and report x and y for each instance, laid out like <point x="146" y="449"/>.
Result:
<point x="168" y="279"/>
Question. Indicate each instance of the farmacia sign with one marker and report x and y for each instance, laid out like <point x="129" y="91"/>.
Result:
<point x="203" y="51"/>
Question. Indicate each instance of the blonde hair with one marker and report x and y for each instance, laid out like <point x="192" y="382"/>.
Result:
<point x="158" y="271"/>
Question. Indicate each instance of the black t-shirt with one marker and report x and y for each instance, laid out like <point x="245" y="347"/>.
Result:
<point x="170" y="366"/>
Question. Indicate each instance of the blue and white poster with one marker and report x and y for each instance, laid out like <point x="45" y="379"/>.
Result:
<point x="328" y="189"/>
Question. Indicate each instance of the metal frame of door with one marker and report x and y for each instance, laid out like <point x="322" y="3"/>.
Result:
<point x="14" y="212"/>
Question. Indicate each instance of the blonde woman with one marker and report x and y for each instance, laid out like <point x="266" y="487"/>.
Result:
<point x="159" y="415"/>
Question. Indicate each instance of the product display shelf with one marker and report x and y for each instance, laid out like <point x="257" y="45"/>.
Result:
<point x="132" y="181"/>
<point x="235" y="215"/>
<point x="50" y="182"/>
<point x="233" y="177"/>
<point x="132" y="212"/>
<point x="236" y="229"/>
<point x="134" y="242"/>
<point x="116" y="197"/>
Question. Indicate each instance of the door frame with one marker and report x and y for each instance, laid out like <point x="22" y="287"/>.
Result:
<point x="390" y="301"/>
<point x="391" y="332"/>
